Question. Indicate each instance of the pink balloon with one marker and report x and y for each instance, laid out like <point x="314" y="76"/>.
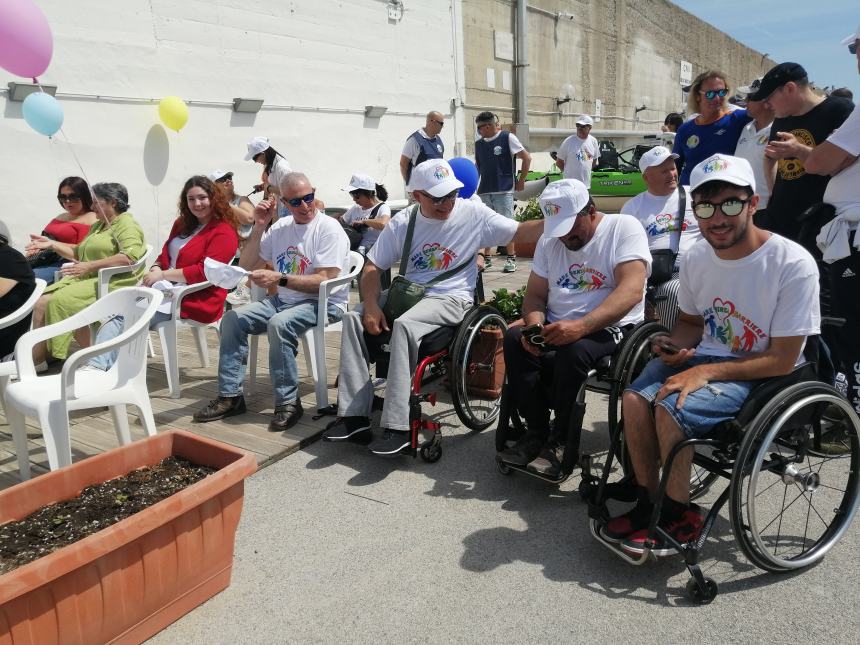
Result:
<point x="26" y="43"/>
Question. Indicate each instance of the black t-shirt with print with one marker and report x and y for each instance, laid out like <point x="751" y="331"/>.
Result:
<point x="794" y="189"/>
<point x="14" y="266"/>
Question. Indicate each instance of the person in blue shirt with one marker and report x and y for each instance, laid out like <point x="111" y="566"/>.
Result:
<point x="715" y="129"/>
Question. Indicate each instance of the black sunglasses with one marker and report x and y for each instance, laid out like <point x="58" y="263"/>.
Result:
<point x="731" y="207"/>
<point x="710" y="94"/>
<point x="224" y="178"/>
<point x="450" y="197"/>
<point x="296" y="201"/>
<point x="441" y="124"/>
<point x="68" y="198"/>
<point x="852" y="48"/>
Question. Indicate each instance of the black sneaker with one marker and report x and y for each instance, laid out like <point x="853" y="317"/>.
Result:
<point x="221" y="408"/>
<point x="347" y="428"/>
<point x="392" y="443"/>
<point x="548" y="462"/>
<point x="523" y="451"/>
<point x="286" y="416"/>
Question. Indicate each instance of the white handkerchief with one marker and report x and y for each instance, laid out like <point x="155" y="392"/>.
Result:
<point x="226" y="276"/>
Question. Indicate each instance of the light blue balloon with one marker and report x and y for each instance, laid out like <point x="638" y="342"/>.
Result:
<point x="43" y="113"/>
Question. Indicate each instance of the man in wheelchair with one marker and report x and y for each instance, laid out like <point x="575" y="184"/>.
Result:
<point x="748" y="300"/>
<point x="439" y="247"/>
<point x="588" y="284"/>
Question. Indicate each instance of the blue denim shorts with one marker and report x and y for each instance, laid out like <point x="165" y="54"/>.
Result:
<point x="703" y="409"/>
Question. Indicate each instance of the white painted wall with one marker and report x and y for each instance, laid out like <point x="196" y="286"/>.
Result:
<point x="325" y="58"/>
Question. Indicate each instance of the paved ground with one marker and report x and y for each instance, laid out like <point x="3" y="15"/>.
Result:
<point x="337" y="546"/>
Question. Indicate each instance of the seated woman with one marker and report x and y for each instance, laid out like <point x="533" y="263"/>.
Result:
<point x="16" y="285"/>
<point x="69" y="227"/>
<point x="369" y="215"/>
<point x="116" y="239"/>
<point x="206" y="228"/>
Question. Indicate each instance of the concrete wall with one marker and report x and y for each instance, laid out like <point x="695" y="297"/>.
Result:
<point x="321" y="61"/>
<point x="615" y="51"/>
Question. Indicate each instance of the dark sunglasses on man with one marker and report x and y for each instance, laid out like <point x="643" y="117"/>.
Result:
<point x="450" y="197"/>
<point x="296" y="201"/>
<point x="852" y="48"/>
<point x="731" y="207"/>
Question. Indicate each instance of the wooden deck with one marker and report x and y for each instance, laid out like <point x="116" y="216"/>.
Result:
<point x="92" y="431"/>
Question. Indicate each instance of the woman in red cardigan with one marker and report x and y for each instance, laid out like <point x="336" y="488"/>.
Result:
<point x="205" y="228"/>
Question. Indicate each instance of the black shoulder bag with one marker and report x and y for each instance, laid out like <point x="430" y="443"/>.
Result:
<point x="663" y="260"/>
<point x="355" y="233"/>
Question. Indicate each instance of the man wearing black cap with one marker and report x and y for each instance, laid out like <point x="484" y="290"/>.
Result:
<point x="803" y="120"/>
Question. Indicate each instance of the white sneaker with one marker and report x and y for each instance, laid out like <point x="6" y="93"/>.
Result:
<point x="241" y="295"/>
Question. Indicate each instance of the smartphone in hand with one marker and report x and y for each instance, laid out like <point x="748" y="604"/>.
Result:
<point x="532" y="334"/>
<point x="666" y="345"/>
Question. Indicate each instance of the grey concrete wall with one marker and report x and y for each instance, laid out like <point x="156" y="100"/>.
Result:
<point x="615" y="51"/>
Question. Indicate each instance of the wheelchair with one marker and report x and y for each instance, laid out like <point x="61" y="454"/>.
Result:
<point x="470" y="356"/>
<point x="610" y="377"/>
<point x="791" y="494"/>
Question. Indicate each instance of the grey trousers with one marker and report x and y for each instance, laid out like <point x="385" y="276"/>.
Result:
<point x="355" y="389"/>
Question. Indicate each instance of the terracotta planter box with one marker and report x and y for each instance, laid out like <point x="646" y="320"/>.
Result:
<point x="525" y="249"/>
<point x="488" y="350"/>
<point x="129" y="581"/>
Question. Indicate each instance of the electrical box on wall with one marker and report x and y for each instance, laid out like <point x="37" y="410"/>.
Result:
<point x="504" y="45"/>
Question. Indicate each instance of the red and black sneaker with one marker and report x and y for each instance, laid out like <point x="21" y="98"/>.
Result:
<point x="685" y="529"/>
<point x="621" y="527"/>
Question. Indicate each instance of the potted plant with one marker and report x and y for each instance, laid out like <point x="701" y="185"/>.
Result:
<point x="530" y="211"/>
<point x="128" y="581"/>
<point x="509" y="303"/>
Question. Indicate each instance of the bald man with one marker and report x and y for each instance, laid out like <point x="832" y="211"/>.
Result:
<point x="423" y="144"/>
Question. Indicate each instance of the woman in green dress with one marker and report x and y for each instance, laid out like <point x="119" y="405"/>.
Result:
<point x="116" y="239"/>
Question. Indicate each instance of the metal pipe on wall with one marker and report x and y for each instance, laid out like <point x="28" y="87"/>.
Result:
<point x="521" y="66"/>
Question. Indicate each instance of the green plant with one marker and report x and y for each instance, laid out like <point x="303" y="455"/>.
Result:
<point x="530" y="211"/>
<point x="509" y="303"/>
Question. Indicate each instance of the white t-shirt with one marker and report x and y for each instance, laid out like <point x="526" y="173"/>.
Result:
<point x="751" y="145"/>
<point x="578" y="156"/>
<point x="771" y="292"/>
<point x="280" y="168"/>
<point x="440" y="245"/>
<point x="411" y="149"/>
<point x="174" y="246"/>
<point x="515" y="146"/>
<point x="301" y="249"/>
<point x="658" y="215"/>
<point x="356" y="213"/>
<point x="843" y="190"/>
<point x="580" y="280"/>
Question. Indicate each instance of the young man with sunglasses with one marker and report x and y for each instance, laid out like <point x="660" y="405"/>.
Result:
<point x="447" y="234"/>
<point x="423" y="144"/>
<point x="305" y="248"/>
<point x="748" y="299"/>
<point x="579" y="153"/>
<point x="587" y="286"/>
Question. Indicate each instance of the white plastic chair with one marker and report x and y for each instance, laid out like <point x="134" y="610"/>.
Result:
<point x="51" y="398"/>
<point x="313" y="340"/>
<point x="8" y="369"/>
<point x="168" y="329"/>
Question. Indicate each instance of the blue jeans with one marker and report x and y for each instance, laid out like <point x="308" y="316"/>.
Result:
<point x="502" y="203"/>
<point x="284" y="324"/>
<point x="111" y="329"/>
<point x="704" y="408"/>
<point x="47" y="273"/>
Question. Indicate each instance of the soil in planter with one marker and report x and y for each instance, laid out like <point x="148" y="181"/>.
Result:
<point x="98" y="506"/>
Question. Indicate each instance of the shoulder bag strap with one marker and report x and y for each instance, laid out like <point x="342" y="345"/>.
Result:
<point x="675" y="238"/>
<point x="375" y="210"/>
<point x="407" y="244"/>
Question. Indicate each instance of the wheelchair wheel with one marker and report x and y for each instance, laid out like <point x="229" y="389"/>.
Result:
<point x="477" y="367"/>
<point x="793" y="496"/>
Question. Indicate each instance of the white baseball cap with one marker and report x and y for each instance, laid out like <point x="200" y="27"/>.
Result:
<point x="584" y="119"/>
<point x="752" y="88"/>
<point x="215" y="175"/>
<point x="256" y="146"/>
<point x="223" y="275"/>
<point x="850" y="39"/>
<point x="734" y="170"/>
<point x="654" y="157"/>
<point x="435" y="177"/>
<point x="360" y="182"/>
<point x="560" y="203"/>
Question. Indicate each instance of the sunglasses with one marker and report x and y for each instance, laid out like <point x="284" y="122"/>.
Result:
<point x="582" y="126"/>
<point x="731" y="207"/>
<point x="711" y="94"/>
<point x="450" y="197"/>
<point x="296" y="201"/>
<point x="68" y="198"/>
<point x="441" y="124"/>
<point x="223" y="179"/>
<point x="852" y="48"/>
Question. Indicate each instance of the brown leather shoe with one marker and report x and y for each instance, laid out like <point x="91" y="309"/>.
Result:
<point x="221" y="408"/>
<point x="286" y="416"/>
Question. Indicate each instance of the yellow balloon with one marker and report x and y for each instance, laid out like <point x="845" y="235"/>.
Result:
<point x="173" y="112"/>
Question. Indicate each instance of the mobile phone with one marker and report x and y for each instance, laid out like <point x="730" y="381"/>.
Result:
<point x="666" y="345"/>
<point x="532" y="334"/>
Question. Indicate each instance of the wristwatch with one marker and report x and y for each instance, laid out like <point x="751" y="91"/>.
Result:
<point x="283" y="281"/>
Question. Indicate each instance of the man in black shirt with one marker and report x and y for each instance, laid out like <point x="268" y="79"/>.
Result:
<point x="16" y="284"/>
<point x="803" y="120"/>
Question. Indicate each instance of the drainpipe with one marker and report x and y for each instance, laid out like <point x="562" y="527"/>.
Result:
<point x="521" y="67"/>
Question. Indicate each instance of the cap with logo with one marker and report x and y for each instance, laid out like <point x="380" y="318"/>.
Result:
<point x="778" y="76"/>
<point x="360" y="181"/>
<point x="256" y="146"/>
<point x="434" y="177"/>
<point x="733" y="170"/>
<point x="560" y="202"/>
<point x="215" y="175"/>
<point x="752" y="88"/>
<point x="850" y="39"/>
<point x="223" y="275"/>
<point x="584" y="119"/>
<point x="654" y="157"/>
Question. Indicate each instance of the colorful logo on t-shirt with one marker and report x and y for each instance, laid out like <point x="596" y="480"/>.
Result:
<point x="440" y="173"/>
<point x="715" y="165"/>
<point x="292" y="261"/>
<point x="433" y="257"/>
<point x="664" y="223"/>
<point x="790" y="169"/>
<point x="692" y="141"/>
<point x="762" y="140"/>
<point x="729" y="327"/>
<point x="579" y="278"/>
<point x="551" y="210"/>
<point x="583" y="155"/>
<point x="497" y="150"/>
